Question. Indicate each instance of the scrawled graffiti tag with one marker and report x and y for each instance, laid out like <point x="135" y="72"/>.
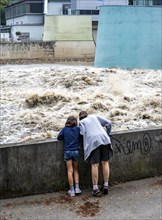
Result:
<point x="144" y="145"/>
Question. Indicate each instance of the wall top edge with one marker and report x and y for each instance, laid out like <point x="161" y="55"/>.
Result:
<point x="131" y="6"/>
<point x="55" y="141"/>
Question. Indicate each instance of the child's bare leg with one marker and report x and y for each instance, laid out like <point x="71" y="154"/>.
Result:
<point x="76" y="177"/>
<point x="76" y="174"/>
<point x="69" y="166"/>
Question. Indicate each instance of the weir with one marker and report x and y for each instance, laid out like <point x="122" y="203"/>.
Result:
<point x="129" y="37"/>
<point x="32" y="168"/>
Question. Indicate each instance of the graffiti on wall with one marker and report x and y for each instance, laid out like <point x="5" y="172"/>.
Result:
<point x="143" y="145"/>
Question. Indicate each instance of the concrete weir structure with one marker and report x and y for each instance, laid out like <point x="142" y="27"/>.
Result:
<point x="72" y="36"/>
<point x="129" y="37"/>
<point x="39" y="167"/>
<point x="65" y="38"/>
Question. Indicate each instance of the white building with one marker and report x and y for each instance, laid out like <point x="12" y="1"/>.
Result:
<point x="147" y="2"/>
<point x="52" y="7"/>
<point x="91" y="7"/>
<point x="27" y="16"/>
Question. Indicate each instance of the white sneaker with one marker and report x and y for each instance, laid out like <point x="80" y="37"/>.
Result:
<point x="78" y="191"/>
<point x="71" y="193"/>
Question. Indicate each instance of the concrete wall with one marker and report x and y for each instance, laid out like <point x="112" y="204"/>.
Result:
<point x="27" y="50"/>
<point x="72" y="28"/>
<point x="69" y="38"/>
<point x="47" y="50"/>
<point x="39" y="167"/>
<point x="75" y="49"/>
<point x="129" y="37"/>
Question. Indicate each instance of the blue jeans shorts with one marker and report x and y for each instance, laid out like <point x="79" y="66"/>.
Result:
<point x="71" y="155"/>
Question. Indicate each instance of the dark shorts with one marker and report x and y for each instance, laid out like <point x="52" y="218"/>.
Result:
<point x="102" y="153"/>
<point x="71" y="155"/>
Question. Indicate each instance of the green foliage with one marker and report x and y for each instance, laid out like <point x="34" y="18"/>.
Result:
<point x="18" y="33"/>
<point x="2" y="16"/>
<point x="3" y="3"/>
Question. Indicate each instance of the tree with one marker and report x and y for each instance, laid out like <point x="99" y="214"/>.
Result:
<point x="3" y="4"/>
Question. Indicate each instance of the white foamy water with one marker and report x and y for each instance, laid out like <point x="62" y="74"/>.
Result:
<point x="37" y="99"/>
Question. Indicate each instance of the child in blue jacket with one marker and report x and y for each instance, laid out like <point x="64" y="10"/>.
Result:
<point x="70" y="135"/>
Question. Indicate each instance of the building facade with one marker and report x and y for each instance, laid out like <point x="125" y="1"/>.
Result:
<point x="54" y="7"/>
<point x="147" y="2"/>
<point x="24" y="12"/>
<point x="25" y="18"/>
<point x="89" y="7"/>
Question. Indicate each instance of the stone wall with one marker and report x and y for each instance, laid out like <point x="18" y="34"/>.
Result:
<point x="27" y="50"/>
<point x="39" y="167"/>
<point x="47" y="51"/>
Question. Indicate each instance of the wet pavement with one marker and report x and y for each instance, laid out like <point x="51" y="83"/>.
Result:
<point x="139" y="199"/>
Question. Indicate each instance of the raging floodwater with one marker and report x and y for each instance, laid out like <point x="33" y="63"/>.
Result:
<point x="37" y="99"/>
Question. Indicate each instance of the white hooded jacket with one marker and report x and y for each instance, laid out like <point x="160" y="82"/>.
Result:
<point x="94" y="134"/>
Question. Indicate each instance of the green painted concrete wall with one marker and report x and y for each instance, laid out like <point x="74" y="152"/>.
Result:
<point x="70" y="28"/>
<point x="129" y="37"/>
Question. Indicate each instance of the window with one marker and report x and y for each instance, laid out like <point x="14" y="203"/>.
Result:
<point x="95" y="12"/>
<point x="36" y="8"/>
<point x="147" y="2"/>
<point x="22" y="9"/>
<point x="85" y="12"/>
<point x="8" y="13"/>
<point x="157" y="2"/>
<point x="89" y="12"/>
<point x="24" y="36"/>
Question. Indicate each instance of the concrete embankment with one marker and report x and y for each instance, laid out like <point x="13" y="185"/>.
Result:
<point x="35" y="168"/>
<point x="47" y="52"/>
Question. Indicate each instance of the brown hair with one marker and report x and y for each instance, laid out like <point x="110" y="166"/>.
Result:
<point x="82" y="114"/>
<point x="71" y="121"/>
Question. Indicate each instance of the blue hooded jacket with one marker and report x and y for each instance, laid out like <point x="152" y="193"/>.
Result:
<point x="70" y="135"/>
